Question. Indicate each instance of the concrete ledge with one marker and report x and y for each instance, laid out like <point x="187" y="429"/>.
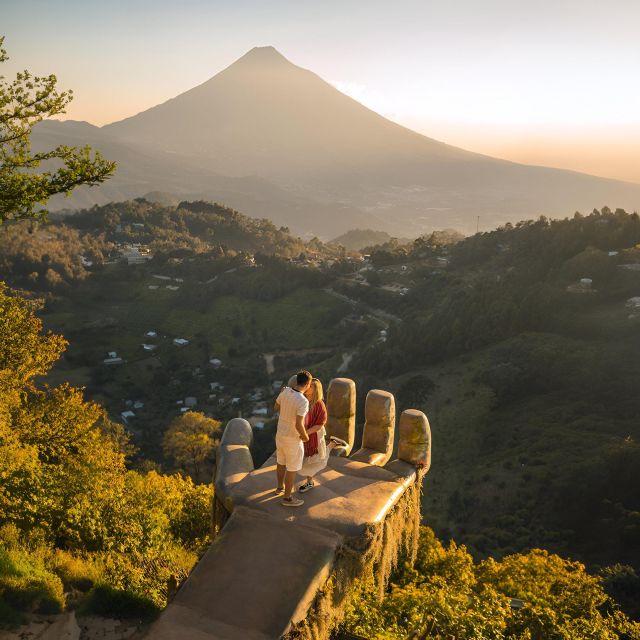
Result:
<point x="351" y="466"/>
<point x="403" y="471"/>
<point x="255" y="595"/>
<point x="370" y="457"/>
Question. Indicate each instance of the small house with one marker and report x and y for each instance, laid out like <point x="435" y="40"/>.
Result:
<point x="151" y="334"/>
<point x="190" y="401"/>
<point x="180" y="342"/>
<point x="126" y="416"/>
<point x="216" y="362"/>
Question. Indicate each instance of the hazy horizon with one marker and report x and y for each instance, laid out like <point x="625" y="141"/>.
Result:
<point x="550" y="84"/>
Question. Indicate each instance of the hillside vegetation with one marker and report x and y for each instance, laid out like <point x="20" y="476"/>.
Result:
<point x="528" y="376"/>
<point x="530" y="380"/>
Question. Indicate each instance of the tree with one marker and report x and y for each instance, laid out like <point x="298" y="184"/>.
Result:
<point x="24" y="102"/>
<point x="190" y="440"/>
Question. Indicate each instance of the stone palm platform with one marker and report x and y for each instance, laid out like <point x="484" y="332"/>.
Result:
<point x="263" y="574"/>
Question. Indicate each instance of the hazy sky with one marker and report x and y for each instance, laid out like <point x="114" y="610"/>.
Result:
<point x="552" y="82"/>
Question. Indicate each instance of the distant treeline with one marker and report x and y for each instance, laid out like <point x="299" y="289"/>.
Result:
<point x="500" y="283"/>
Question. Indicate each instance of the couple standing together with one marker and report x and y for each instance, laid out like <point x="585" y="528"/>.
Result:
<point x="300" y="438"/>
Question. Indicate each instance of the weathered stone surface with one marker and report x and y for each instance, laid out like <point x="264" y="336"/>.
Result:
<point x="233" y="460"/>
<point x="269" y="562"/>
<point x="414" y="446"/>
<point x="258" y="577"/>
<point x="341" y="410"/>
<point x="379" y="428"/>
<point x="342" y="502"/>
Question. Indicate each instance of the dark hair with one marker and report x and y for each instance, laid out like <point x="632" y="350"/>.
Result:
<point x="303" y="378"/>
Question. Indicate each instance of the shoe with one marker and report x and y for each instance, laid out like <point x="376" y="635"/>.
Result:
<point x="279" y="491"/>
<point x="303" y="488"/>
<point x="292" y="502"/>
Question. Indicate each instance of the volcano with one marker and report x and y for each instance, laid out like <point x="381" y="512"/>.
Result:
<point x="275" y="140"/>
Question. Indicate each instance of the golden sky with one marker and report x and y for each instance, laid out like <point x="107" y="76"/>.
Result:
<point x="553" y="82"/>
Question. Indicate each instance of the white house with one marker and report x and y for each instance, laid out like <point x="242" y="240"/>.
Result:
<point x="112" y="354"/>
<point x="216" y="362"/>
<point x="180" y="342"/>
<point x="138" y="404"/>
<point x="260" y="411"/>
<point x="126" y="416"/>
<point x="190" y="401"/>
<point x="149" y="347"/>
<point x="116" y="360"/>
<point x="634" y="302"/>
<point x="151" y="334"/>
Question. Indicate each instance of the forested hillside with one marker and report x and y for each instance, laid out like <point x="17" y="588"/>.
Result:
<point x="523" y="347"/>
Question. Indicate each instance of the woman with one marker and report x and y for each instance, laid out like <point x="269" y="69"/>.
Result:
<point x="315" y="450"/>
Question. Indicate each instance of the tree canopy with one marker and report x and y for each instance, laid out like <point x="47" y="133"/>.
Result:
<point x="24" y="192"/>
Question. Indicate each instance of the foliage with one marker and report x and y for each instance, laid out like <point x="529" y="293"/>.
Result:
<point x="447" y="595"/>
<point x="191" y="441"/>
<point x="507" y="281"/>
<point x="71" y="512"/>
<point x="43" y="258"/>
<point x="23" y="103"/>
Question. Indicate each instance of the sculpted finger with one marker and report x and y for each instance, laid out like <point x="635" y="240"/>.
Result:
<point x="379" y="428"/>
<point x="341" y="413"/>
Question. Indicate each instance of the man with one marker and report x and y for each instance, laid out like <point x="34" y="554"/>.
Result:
<point x="291" y="434"/>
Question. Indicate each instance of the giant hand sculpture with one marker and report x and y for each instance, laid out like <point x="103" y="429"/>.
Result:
<point x="274" y="572"/>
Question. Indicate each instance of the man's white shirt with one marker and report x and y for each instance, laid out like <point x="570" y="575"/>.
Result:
<point x="292" y="403"/>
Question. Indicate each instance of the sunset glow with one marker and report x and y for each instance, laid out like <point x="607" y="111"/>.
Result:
<point x="551" y="83"/>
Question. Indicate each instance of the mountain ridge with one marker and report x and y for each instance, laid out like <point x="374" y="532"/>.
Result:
<point x="332" y="164"/>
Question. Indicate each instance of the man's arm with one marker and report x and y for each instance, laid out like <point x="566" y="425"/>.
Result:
<point x="300" y="429"/>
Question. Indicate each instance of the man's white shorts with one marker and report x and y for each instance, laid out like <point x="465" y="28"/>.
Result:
<point x="289" y="452"/>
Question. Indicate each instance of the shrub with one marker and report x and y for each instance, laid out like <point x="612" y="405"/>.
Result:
<point x="33" y="593"/>
<point x="104" y="600"/>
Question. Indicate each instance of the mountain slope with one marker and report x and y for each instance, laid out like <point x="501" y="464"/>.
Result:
<point x="275" y="140"/>
<point x="264" y="115"/>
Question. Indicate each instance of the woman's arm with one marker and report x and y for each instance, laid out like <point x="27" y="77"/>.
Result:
<point x="315" y="428"/>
